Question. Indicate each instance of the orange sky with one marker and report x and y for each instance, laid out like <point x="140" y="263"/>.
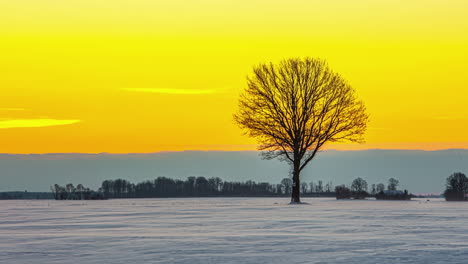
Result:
<point x="143" y="76"/>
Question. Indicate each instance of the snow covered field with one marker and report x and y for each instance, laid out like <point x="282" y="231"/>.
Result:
<point x="233" y="230"/>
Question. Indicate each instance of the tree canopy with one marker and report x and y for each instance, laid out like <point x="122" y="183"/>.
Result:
<point x="296" y="106"/>
<point x="456" y="187"/>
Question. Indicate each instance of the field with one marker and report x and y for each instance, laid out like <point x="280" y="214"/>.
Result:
<point x="233" y="230"/>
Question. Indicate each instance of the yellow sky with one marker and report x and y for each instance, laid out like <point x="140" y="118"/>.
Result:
<point x="144" y="75"/>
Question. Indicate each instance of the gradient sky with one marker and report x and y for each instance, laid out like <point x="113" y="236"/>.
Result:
<point x="143" y="76"/>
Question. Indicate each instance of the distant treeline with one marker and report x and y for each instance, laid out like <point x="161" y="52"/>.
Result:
<point x="456" y="189"/>
<point x="166" y="187"/>
<point x="205" y="187"/>
<point x="359" y="187"/>
<point x="70" y="192"/>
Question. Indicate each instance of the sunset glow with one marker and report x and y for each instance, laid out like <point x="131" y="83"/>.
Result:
<point x="144" y="76"/>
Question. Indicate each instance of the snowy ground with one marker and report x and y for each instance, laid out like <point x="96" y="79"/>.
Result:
<point x="233" y="230"/>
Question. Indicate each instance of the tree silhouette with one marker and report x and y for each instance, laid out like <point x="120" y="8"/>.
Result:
<point x="287" y="184"/>
<point x="79" y="193"/>
<point x="312" y="186"/>
<point x="457" y="187"/>
<point x="342" y="192"/>
<point x="70" y="191"/>
<point x="304" y="186"/>
<point x="380" y="187"/>
<point x="328" y="186"/>
<point x="359" y="185"/>
<point x="80" y="189"/>
<point x="393" y="184"/>
<point x="359" y="188"/>
<point x="319" y="187"/>
<point x="293" y="108"/>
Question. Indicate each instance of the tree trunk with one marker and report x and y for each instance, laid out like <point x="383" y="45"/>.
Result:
<point x="295" y="195"/>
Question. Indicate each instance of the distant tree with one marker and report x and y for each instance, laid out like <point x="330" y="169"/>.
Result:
<point x="312" y="186"/>
<point x="304" y="186"/>
<point x="373" y="189"/>
<point x="342" y="192"/>
<point x="359" y="185"/>
<point x="54" y="191"/>
<point x="190" y="185"/>
<point x="287" y="184"/>
<point x="359" y="188"/>
<point x="117" y="187"/>
<point x="392" y="184"/>
<point x="279" y="188"/>
<point x="380" y="187"/>
<point x="456" y="187"/>
<point x="202" y="185"/>
<point x="70" y="191"/>
<point x="80" y="190"/>
<point x="293" y="108"/>
<point x="457" y="182"/>
<point x="216" y="183"/>
<point x="328" y="186"/>
<point x="319" y="187"/>
<point x="106" y="188"/>
<point x="59" y="192"/>
<point x="166" y="187"/>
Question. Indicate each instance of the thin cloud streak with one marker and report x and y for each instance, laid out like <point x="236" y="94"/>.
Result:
<point x="169" y="90"/>
<point x="22" y="123"/>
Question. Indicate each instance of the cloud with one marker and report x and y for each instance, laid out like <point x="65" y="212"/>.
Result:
<point x="16" y="123"/>
<point x="12" y="109"/>
<point x="169" y="90"/>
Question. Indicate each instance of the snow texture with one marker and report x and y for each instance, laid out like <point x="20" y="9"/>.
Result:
<point x="233" y="230"/>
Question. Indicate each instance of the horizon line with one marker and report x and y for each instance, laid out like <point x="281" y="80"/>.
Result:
<point x="216" y="150"/>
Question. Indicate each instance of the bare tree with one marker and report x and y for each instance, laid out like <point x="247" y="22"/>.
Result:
<point x="329" y="186"/>
<point x="359" y="185"/>
<point x="55" y="191"/>
<point x="380" y="187"/>
<point x="312" y="186"/>
<point x="304" y="186"/>
<point x="293" y="108"/>
<point x="393" y="184"/>
<point x="457" y="187"/>
<point x="286" y="183"/>
<point x="457" y="182"/>
<point x="70" y="191"/>
<point x="80" y="190"/>
<point x="319" y="187"/>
